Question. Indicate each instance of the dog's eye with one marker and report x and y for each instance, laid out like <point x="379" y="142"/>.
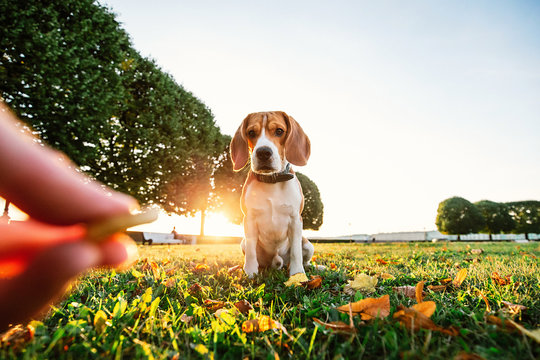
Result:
<point x="279" y="132"/>
<point x="252" y="133"/>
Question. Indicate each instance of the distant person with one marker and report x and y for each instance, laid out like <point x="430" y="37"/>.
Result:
<point x="45" y="251"/>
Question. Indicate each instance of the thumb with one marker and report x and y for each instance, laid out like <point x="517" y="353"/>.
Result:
<point x="44" y="280"/>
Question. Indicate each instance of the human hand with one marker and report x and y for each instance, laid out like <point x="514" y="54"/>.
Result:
<point x="41" y="256"/>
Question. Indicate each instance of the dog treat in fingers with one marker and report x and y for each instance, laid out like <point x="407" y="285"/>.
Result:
<point x="102" y="229"/>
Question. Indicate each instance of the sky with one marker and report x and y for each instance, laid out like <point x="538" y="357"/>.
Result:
<point x="406" y="103"/>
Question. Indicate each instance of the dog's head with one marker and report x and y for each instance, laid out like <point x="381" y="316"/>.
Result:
<point x="270" y="139"/>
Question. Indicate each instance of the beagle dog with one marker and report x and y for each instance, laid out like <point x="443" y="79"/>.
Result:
<point x="272" y="199"/>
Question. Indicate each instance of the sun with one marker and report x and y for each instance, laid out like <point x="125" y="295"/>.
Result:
<point x="217" y="224"/>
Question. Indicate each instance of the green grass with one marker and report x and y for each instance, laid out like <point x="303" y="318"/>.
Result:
<point x="142" y="311"/>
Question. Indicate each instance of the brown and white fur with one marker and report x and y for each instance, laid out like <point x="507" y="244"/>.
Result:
<point x="272" y="212"/>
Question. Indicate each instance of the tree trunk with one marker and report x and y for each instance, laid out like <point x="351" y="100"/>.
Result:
<point x="203" y="219"/>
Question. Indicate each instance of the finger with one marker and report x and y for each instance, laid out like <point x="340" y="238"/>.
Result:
<point x="118" y="251"/>
<point x="44" y="280"/>
<point x="46" y="185"/>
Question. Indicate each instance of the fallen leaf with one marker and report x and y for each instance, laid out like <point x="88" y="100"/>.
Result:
<point x="427" y="308"/>
<point x="446" y="281"/>
<point x="314" y="283"/>
<point x="477" y="251"/>
<point x="419" y="292"/>
<point x="296" y="280"/>
<point x="437" y="288"/>
<point x="200" y="268"/>
<point x="17" y="336"/>
<point x="500" y="280"/>
<point x="500" y="323"/>
<point x="338" y="326"/>
<point x="386" y="276"/>
<point x="213" y="305"/>
<point x="513" y="308"/>
<point x="415" y="320"/>
<point x="243" y="306"/>
<point x="195" y="289"/>
<point x="488" y="307"/>
<point x="170" y="283"/>
<point x="407" y="290"/>
<point x="261" y="324"/>
<point x="172" y="271"/>
<point x="533" y="334"/>
<point x="333" y="266"/>
<point x="368" y="308"/>
<point x="100" y="321"/>
<point x="468" y="356"/>
<point x="460" y="277"/>
<point x="363" y="283"/>
<point x="381" y="261"/>
<point x="186" y="318"/>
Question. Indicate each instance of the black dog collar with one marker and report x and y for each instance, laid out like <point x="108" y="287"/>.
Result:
<point x="285" y="175"/>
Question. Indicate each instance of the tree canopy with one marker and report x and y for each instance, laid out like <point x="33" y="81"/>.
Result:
<point x="497" y="217"/>
<point x="458" y="216"/>
<point x="526" y="215"/>
<point x="312" y="215"/>
<point x="70" y="71"/>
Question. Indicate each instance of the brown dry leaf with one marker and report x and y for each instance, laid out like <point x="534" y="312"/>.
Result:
<point x="513" y="308"/>
<point x="261" y="324"/>
<point x="501" y="280"/>
<point x="488" y="307"/>
<point x="333" y="266"/>
<point x="170" y="283"/>
<point x="314" y="283"/>
<point x="419" y="292"/>
<point x="427" y="308"/>
<point x="369" y="308"/>
<point x="501" y="324"/>
<point x="458" y="280"/>
<point x="338" y="326"/>
<point x="407" y="290"/>
<point x="437" y="288"/>
<point x="386" y="276"/>
<point x="213" y="305"/>
<point x="172" y="271"/>
<point x="414" y="320"/>
<point x="195" y="288"/>
<point x="186" y="318"/>
<point x="243" y="306"/>
<point x="533" y="334"/>
<point x="468" y="356"/>
<point x="296" y="280"/>
<point x="200" y="268"/>
<point x="17" y="336"/>
<point x="381" y="261"/>
<point x="151" y="265"/>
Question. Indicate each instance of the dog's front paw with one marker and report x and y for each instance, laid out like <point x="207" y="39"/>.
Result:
<point x="251" y="269"/>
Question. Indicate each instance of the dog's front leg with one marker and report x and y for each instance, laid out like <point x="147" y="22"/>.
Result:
<point x="251" y="263"/>
<point x="295" y="241"/>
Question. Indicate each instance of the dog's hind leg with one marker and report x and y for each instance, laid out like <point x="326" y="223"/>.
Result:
<point x="307" y="251"/>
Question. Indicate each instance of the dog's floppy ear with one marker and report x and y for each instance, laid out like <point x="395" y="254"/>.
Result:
<point x="297" y="144"/>
<point x="239" y="148"/>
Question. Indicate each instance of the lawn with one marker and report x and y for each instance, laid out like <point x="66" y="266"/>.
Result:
<point x="178" y="302"/>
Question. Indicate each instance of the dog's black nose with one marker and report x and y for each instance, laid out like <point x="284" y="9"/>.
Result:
<point x="263" y="153"/>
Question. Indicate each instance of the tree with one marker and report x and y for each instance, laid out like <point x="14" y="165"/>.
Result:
<point x="60" y="70"/>
<point x="458" y="216"/>
<point x="526" y="215"/>
<point x="497" y="217"/>
<point x="70" y="71"/>
<point x="312" y="215"/>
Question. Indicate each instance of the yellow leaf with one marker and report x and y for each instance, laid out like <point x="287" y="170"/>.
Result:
<point x="419" y="292"/>
<point x="296" y="279"/>
<point x="427" y="308"/>
<point x="364" y="283"/>
<point x="386" y="276"/>
<point x="261" y="324"/>
<point x="100" y="321"/>
<point x="458" y="280"/>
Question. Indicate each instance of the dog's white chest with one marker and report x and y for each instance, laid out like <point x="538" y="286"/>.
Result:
<point x="273" y="207"/>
